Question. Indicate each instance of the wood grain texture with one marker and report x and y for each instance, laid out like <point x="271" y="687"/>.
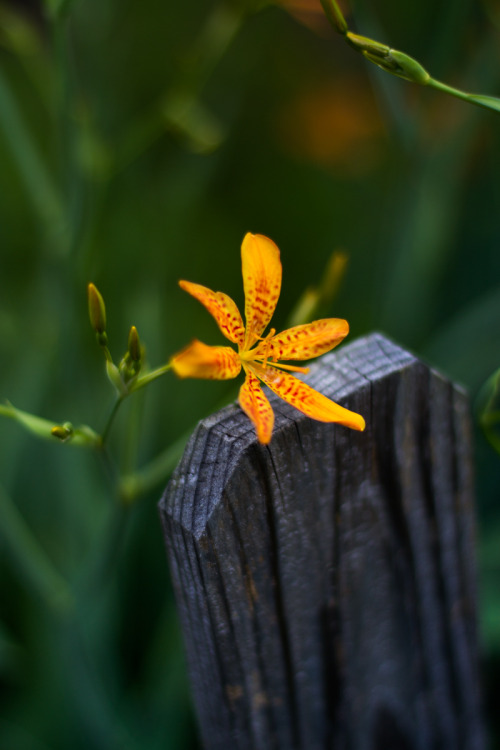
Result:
<point x="326" y="582"/>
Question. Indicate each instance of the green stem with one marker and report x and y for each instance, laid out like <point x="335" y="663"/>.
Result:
<point x="149" y="377"/>
<point x="335" y="16"/>
<point x="133" y="433"/>
<point x="111" y="419"/>
<point x="99" y="572"/>
<point x="449" y="90"/>
<point x="140" y="482"/>
<point x="150" y="476"/>
<point x="30" y="558"/>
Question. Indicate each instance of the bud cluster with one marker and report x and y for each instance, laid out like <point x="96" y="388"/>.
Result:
<point x="124" y="375"/>
<point x="390" y="60"/>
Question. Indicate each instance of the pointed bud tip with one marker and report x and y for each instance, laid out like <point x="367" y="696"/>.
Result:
<point x="134" y="345"/>
<point x="97" y="309"/>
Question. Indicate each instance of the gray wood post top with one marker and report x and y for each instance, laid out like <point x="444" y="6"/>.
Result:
<point x="219" y="439"/>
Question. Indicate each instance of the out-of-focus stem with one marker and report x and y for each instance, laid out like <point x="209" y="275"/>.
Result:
<point x="111" y="418"/>
<point x="30" y="559"/>
<point x="37" y="180"/>
<point x="138" y="483"/>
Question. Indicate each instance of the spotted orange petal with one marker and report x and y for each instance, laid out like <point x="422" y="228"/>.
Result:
<point x="306" y="399"/>
<point x="209" y="362"/>
<point x="257" y="407"/>
<point x="221" y="307"/>
<point x="306" y="341"/>
<point x="261" y="267"/>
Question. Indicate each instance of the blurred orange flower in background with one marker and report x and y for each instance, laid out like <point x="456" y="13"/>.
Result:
<point x="336" y="125"/>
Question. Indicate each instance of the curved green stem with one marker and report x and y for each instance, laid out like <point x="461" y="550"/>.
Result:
<point x="143" y="480"/>
<point x="149" y="377"/>
<point x="335" y="16"/>
<point x="488" y="102"/>
<point x="139" y="482"/>
<point x="111" y="418"/>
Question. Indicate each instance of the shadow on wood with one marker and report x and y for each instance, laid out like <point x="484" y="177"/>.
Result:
<point x="326" y="582"/>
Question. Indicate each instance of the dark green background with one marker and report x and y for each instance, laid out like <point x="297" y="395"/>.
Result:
<point x="107" y="175"/>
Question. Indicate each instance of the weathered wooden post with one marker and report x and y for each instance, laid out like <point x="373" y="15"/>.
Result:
<point x="326" y="582"/>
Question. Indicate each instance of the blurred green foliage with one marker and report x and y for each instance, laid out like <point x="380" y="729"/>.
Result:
<point x="138" y="143"/>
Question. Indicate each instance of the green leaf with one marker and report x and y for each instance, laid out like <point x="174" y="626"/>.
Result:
<point x="490" y="102"/>
<point x="36" y="425"/>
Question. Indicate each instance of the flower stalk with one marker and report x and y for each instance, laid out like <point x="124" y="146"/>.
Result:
<point x="399" y="63"/>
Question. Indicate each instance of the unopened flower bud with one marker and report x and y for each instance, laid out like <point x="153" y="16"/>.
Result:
<point x="114" y="376"/>
<point x="97" y="310"/>
<point x="134" y="345"/>
<point x="62" y="432"/>
<point x="407" y="67"/>
<point x="364" y="44"/>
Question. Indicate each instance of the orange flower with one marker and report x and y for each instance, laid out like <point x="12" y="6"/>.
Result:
<point x="260" y="357"/>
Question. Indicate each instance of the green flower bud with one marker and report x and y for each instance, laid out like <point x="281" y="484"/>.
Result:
<point x="407" y="67"/>
<point x="370" y="46"/>
<point x="128" y="369"/>
<point x="97" y="310"/>
<point x="395" y="62"/>
<point x="62" y="432"/>
<point x="114" y="376"/>
<point x="134" y="345"/>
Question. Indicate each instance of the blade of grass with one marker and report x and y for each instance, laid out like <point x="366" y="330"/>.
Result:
<point x="30" y="560"/>
<point x="33" y="172"/>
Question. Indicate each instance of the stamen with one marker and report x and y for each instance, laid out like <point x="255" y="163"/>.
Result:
<point x="266" y="348"/>
<point x="269" y="335"/>
<point x="291" y="368"/>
